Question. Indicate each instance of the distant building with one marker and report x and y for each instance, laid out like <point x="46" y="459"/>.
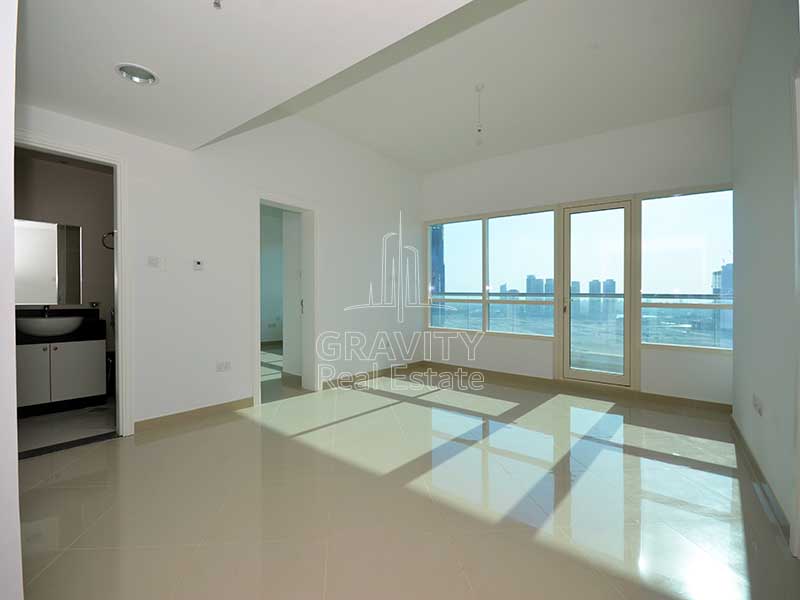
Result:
<point x="722" y="281"/>
<point x="610" y="305"/>
<point x="550" y="287"/>
<point x="575" y="287"/>
<point x="503" y="288"/>
<point x="534" y="285"/>
<point x="722" y="286"/>
<point x="437" y="259"/>
<point x="595" y="304"/>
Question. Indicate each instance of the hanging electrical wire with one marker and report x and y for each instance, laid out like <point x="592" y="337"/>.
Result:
<point x="479" y="121"/>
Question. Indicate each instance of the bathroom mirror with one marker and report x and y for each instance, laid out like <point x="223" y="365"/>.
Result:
<point x="47" y="263"/>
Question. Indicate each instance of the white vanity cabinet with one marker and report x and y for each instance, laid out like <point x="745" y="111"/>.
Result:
<point x="33" y="374"/>
<point x="60" y="371"/>
<point x="77" y="370"/>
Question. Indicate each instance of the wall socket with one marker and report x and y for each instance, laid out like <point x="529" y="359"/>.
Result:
<point x="223" y="366"/>
<point x="758" y="406"/>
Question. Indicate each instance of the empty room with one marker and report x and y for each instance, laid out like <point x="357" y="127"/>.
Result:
<point x="390" y="300"/>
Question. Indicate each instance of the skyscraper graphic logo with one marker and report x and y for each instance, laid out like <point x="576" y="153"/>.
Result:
<point x="400" y="286"/>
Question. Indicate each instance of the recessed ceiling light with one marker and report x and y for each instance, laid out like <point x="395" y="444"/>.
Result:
<point x="136" y="74"/>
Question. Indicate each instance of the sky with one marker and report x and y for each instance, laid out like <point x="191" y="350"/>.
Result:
<point x="684" y="239"/>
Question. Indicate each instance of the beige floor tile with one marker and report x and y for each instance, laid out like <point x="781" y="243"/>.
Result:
<point x="397" y="566"/>
<point x="512" y="565"/>
<point x="184" y="516"/>
<point x="53" y="518"/>
<point x="250" y="571"/>
<point x="42" y="469"/>
<point x="121" y="574"/>
<point x="270" y="510"/>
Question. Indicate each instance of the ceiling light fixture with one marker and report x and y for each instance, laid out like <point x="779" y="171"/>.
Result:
<point x="136" y="74"/>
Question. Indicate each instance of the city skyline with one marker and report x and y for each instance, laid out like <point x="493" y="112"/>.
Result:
<point x="720" y="283"/>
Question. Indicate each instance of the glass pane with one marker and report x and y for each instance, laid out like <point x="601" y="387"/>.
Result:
<point x="457" y="315"/>
<point x="712" y="328"/>
<point x="597" y="311"/>
<point x="687" y="248"/>
<point x="456" y="259"/>
<point x="534" y="319"/>
<point x="521" y="263"/>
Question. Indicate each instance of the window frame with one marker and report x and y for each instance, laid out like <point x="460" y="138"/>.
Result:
<point x="485" y="301"/>
<point x="557" y="338"/>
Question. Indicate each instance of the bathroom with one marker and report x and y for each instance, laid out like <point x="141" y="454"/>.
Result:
<point x="64" y="262"/>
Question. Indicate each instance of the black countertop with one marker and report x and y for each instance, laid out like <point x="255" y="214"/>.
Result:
<point x="92" y="328"/>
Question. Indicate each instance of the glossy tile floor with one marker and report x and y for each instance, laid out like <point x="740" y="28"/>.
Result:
<point x="405" y="493"/>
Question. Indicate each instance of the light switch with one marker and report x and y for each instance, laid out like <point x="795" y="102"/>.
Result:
<point x="198" y="265"/>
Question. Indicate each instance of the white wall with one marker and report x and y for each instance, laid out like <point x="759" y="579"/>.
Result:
<point x="687" y="151"/>
<point x="271" y="274"/>
<point x="532" y="357"/>
<point x="695" y="374"/>
<point x="10" y="554"/>
<point x="292" y="293"/>
<point x="205" y="204"/>
<point x="765" y="321"/>
<point x="683" y="152"/>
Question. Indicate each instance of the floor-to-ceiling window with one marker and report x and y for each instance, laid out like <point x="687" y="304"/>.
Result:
<point x="687" y="270"/>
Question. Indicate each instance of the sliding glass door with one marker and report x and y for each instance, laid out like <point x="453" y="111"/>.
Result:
<point x="596" y="290"/>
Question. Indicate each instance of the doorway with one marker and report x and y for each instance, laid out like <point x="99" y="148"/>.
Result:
<point x="66" y="300"/>
<point x="281" y="304"/>
<point x="597" y="307"/>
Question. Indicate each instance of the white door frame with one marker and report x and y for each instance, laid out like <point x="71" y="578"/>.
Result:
<point x="123" y="283"/>
<point x="308" y="226"/>
<point x="794" y="518"/>
<point x="597" y="376"/>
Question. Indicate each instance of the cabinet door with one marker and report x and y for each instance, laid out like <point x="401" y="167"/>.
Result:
<point x="33" y="374"/>
<point x="77" y="369"/>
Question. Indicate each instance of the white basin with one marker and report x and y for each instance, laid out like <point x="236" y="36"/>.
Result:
<point x="48" y="326"/>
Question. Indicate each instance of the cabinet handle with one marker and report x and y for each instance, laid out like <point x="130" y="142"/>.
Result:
<point x="44" y="349"/>
<point x="55" y="348"/>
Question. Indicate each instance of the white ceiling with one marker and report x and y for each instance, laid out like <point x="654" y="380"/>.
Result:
<point x="218" y="68"/>
<point x="554" y="70"/>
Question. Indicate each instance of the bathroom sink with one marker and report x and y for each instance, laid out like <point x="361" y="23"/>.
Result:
<point x="48" y="326"/>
